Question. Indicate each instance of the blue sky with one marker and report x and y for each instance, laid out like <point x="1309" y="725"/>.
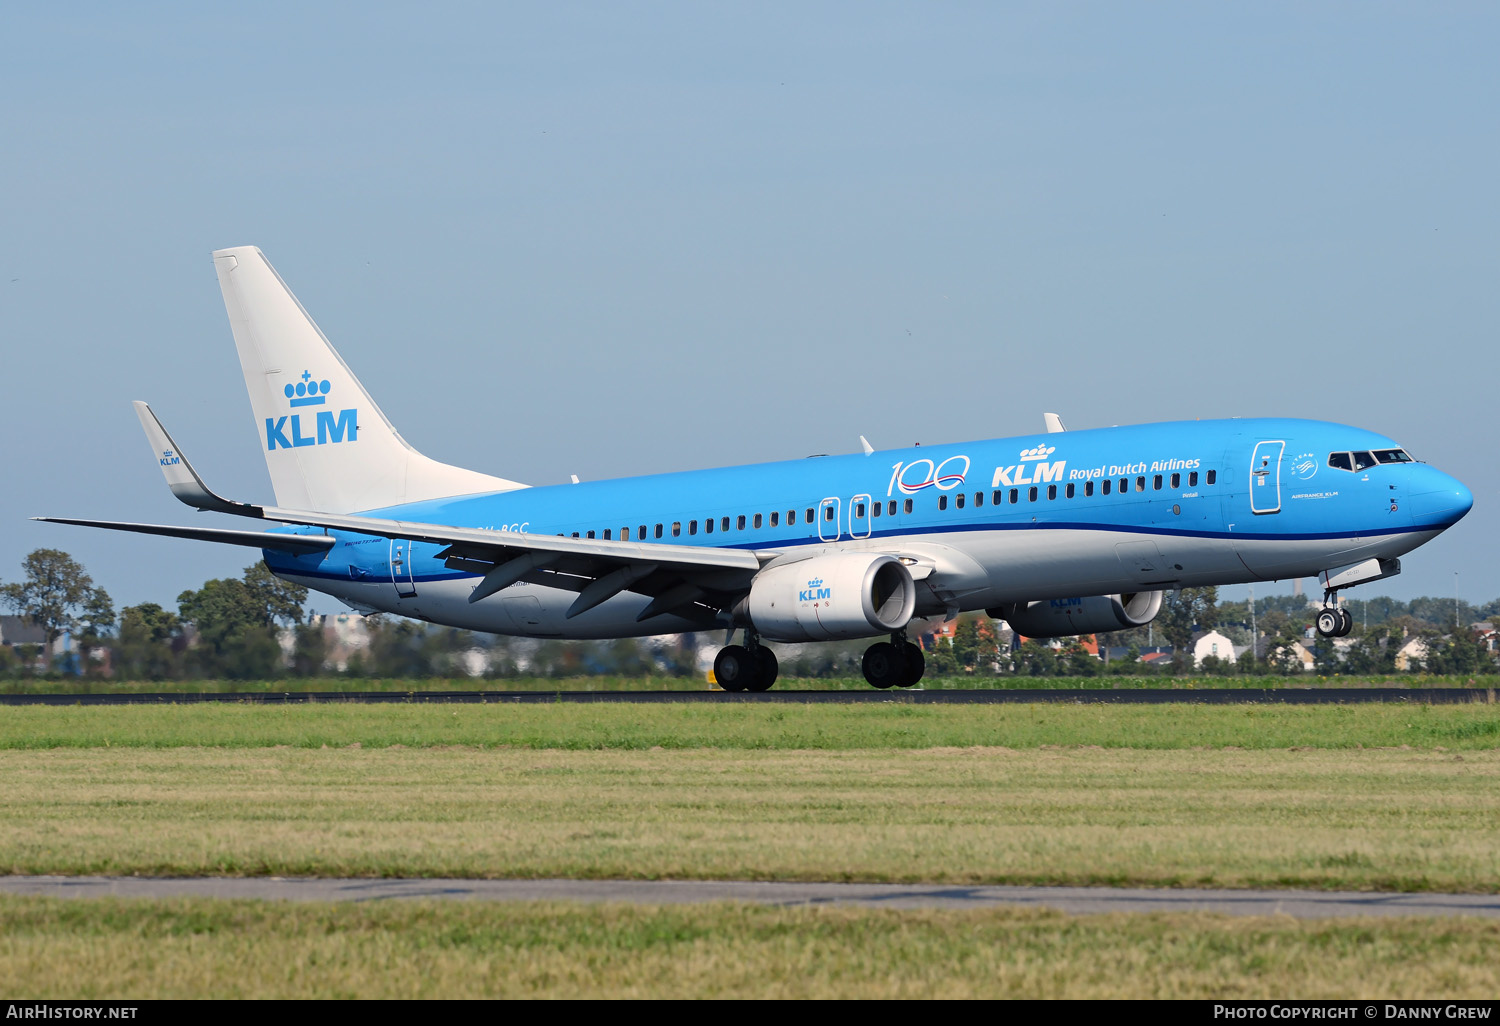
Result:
<point x="609" y="239"/>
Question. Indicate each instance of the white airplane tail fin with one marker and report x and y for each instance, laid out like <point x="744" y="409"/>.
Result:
<point x="328" y="447"/>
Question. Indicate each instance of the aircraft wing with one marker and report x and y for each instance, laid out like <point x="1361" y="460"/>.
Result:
<point x="675" y="576"/>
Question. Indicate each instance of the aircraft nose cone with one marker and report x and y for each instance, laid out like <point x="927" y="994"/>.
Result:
<point x="1437" y="500"/>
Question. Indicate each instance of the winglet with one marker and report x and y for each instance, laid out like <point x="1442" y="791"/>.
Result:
<point x="864" y="443"/>
<point x="181" y="477"/>
<point x="1054" y="423"/>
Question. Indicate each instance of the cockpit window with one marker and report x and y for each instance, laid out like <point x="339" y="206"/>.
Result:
<point x="1392" y="456"/>
<point x="1340" y="461"/>
<point x="1363" y="461"/>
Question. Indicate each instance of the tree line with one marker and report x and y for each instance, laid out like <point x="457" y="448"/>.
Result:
<point x="255" y="627"/>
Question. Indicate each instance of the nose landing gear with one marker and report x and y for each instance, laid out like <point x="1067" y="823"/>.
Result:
<point x="748" y="667"/>
<point x="895" y="663"/>
<point x="1334" y="621"/>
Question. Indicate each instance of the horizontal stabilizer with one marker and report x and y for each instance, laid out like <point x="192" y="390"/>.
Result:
<point x="297" y="544"/>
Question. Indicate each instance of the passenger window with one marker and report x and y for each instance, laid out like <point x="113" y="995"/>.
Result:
<point x="1070" y="491"/>
<point x="809" y="515"/>
<point x="1124" y="485"/>
<point x="591" y="534"/>
<point x="723" y="523"/>
<point x="978" y="499"/>
<point x="1088" y="489"/>
<point x="775" y="518"/>
<point x="1031" y="495"/>
<point x="958" y="500"/>
<point x="1176" y="480"/>
<point x="658" y="530"/>
<point x="1104" y="488"/>
<point x="1140" y="483"/>
<point x="1340" y="461"/>
<point x="1193" y="479"/>
<point x="1051" y="492"/>
<point x="891" y="508"/>
<point x="677" y="529"/>
<point x="624" y="534"/>
<point x="859" y="510"/>
<point x="1015" y="496"/>
<point x="757" y="521"/>
<point x="1212" y="475"/>
<point x="606" y="534"/>
<point x="1156" y="483"/>
<point x="739" y="522"/>
<point x="907" y="507"/>
<point x="791" y="516"/>
<point x="997" y="498"/>
<point x="1363" y="461"/>
<point x="692" y="527"/>
<point x="942" y="502"/>
<point x="708" y="526"/>
<point x="827" y="514"/>
<point x="877" y="509"/>
<point x="642" y="534"/>
<point x="575" y="534"/>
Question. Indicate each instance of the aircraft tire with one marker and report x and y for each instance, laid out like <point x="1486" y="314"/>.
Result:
<point x="916" y="665"/>
<point x="1346" y="623"/>
<point x="883" y="665"/>
<point x="767" y="667"/>
<point x="1329" y="622"/>
<point x="734" y="668"/>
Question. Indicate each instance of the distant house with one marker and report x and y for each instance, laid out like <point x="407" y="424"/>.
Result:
<point x="1299" y="652"/>
<point x="1411" y="655"/>
<point x="19" y="630"/>
<point x="1212" y="643"/>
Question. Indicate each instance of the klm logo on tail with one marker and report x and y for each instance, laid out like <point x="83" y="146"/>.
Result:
<point x="288" y="432"/>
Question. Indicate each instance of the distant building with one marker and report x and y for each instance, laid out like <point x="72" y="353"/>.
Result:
<point x="19" y="630"/>
<point x="1411" y="655"/>
<point x="1212" y="643"/>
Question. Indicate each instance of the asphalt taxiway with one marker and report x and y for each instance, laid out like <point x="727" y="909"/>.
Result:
<point x="1075" y="900"/>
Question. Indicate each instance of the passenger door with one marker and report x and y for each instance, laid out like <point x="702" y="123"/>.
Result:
<point x="1265" y="477"/>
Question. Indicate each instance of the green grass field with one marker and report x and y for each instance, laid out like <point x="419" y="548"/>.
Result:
<point x="733" y="725"/>
<point x="242" y="949"/>
<point x="99" y="686"/>
<point x="1380" y="797"/>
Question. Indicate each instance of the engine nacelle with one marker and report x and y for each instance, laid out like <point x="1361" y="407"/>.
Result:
<point x="833" y="597"/>
<point x="1063" y="618"/>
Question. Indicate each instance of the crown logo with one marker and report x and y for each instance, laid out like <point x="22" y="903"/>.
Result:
<point x="1041" y="452"/>
<point x="817" y="583"/>
<point x="308" y="392"/>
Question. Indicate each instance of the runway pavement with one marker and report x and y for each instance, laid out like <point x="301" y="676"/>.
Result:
<point x="1130" y="696"/>
<point x="1077" y="900"/>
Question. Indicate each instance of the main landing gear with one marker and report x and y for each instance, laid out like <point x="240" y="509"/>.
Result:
<point x="896" y="663"/>
<point x="747" y="667"/>
<point x="1334" y="621"/>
